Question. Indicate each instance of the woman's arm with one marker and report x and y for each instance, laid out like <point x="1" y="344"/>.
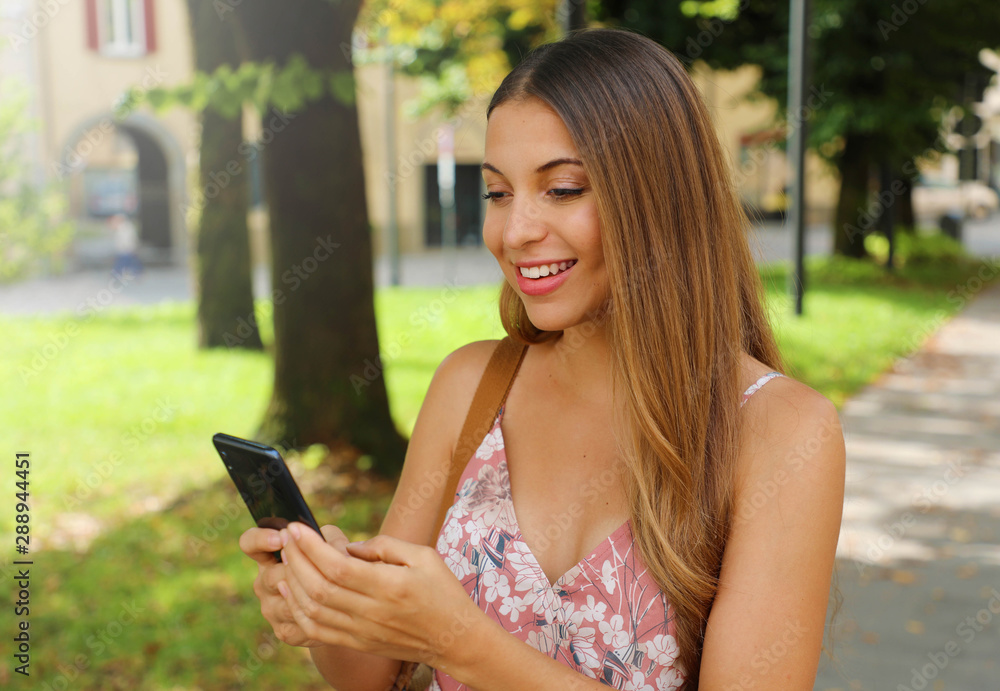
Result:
<point x="400" y="601"/>
<point x="766" y="626"/>
<point x="414" y="507"/>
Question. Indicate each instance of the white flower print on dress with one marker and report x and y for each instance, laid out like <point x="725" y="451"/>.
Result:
<point x="662" y="649"/>
<point x="513" y="606"/>
<point x="614" y="635"/>
<point x="458" y="564"/>
<point x="669" y="680"/>
<point x="475" y="533"/>
<point x="605" y="616"/>
<point x="608" y="576"/>
<point x="594" y="609"/>
<point x="453" y="532"/>
<point x="496" y="585"/>
<point x="490" y="445"/>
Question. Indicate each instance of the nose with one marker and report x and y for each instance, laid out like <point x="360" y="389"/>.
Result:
<point x="524" y="223"/>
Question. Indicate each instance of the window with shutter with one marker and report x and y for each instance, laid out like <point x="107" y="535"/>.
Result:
<point x="121" y="28"/>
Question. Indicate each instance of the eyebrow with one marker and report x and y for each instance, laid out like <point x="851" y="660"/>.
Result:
<point x="542" y="168"/>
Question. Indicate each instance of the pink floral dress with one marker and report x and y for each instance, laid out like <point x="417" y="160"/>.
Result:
<point x="605" y="617"/>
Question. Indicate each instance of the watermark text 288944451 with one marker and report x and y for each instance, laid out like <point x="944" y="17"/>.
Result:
<point x="22" y="540"/>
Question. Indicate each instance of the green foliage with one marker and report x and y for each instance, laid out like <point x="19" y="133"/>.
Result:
<point x="460" y="49"/>
<point x="288" y="88"/>
<point x="932" y="247"/>
<point x="33" y="231"/>
<point x="893" y="70"/>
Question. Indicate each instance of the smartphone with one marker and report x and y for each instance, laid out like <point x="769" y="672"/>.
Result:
<point x="264" y="482"/>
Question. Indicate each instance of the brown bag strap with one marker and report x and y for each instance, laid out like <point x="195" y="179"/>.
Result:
<point x="490" y="395"/>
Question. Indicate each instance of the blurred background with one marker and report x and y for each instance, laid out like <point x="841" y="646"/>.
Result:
<point x="264" y="219"/>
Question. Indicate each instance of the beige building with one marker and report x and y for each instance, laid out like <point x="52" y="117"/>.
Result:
<point x="81" y="56"/>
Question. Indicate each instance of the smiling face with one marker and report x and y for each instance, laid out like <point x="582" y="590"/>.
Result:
<point x="541" y="222"/>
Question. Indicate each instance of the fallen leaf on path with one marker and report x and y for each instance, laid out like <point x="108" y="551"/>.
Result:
<point x="967" y="571"/>
<point x="904" y="577"/>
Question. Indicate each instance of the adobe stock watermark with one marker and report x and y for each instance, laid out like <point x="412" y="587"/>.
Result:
<point x="901" y="13"/>
<point x="989" y="268"/>
<point x="758" y="156"/>
<point x="292" y="278"/>
<point x="132" y="440"/>
<point x="764" y="490"/>
<point x="766" y="658"/>
<point x="98" y="642"/>
<point x="42" y="12"/>
<point x="86" y="310"/>
<point x="419" y="319"/>
<point x="253" y="659"/>
<point x="927" y="497"/>
<point x="218" y="180"/>
<point x="74" y="157"/>
<point x="938" y="660"/>
<point x="696" y="45"/>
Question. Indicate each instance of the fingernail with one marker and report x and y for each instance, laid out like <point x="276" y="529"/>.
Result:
<point x="283" y="589"/>
<point x="294" y="530"/>
<point x="284" y="558"/>
<point x="284" y="537"/>
<point x="274" y="542"/>
<point x="356" y="544"/>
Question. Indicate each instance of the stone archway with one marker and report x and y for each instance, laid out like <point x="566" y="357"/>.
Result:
<point x="161" y="190"/>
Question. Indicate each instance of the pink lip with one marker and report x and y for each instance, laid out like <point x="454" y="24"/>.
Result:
<point x="540" y="286"/>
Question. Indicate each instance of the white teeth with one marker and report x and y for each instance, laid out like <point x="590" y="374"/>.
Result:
<point x="546" y="269"/>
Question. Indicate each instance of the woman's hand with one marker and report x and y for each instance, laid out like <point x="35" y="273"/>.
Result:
<point x="385" y="596"/>
<point x="260" y="544"/>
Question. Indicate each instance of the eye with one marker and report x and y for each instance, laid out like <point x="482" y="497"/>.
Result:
<point x="567" y="192"/>
<point x="493" y="197"/>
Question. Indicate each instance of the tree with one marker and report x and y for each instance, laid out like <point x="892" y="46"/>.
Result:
<point x="328" y="385"/>
<point x="33" y="230"/>
<point x="225" y="291"/>
<point x="459" y="50"/>
<point x="886" y="77"/>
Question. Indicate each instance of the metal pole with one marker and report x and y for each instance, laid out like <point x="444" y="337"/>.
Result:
<point x="392" y="227"/>
<point x="888" y="219"/>
<point x="572" y="15"/>
<point x="797" y="55"/>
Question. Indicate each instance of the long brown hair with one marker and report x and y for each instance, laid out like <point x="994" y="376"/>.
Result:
<point x="685" y="297"/>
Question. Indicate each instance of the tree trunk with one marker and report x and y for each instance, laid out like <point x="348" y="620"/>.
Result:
<point x="225" y="292"/>
<point x="904" y="216"/>
<point x="853" y="220"/>
<point x="328" y="384"/>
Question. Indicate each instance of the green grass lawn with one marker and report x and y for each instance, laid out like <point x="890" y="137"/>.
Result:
<point x="138" y="582"/>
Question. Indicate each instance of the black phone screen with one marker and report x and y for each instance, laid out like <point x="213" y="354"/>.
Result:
<point x="264" y="483"/>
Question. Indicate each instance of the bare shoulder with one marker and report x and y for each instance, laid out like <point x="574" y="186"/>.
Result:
<point x="787" y="422"/>
<point x="775" y="577"/>
<point x="435" y="434"/>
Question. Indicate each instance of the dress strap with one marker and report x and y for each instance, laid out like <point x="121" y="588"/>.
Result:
<point x="757" y="384"/>
<point x="489" y="397"/>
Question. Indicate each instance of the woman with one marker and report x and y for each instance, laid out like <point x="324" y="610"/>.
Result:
<point x="632" y="524"/>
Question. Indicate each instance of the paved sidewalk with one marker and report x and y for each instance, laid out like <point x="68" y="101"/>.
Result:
<point x="919" y="552"/>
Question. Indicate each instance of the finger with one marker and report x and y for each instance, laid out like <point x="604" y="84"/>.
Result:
<point x="335" y="627"/>
<point x="353" y="574"/>
<point x="335" y="536"/>
<point x="387" y="549"/>
<point x="260" y="543"/>
<point x="309" y="590"/>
